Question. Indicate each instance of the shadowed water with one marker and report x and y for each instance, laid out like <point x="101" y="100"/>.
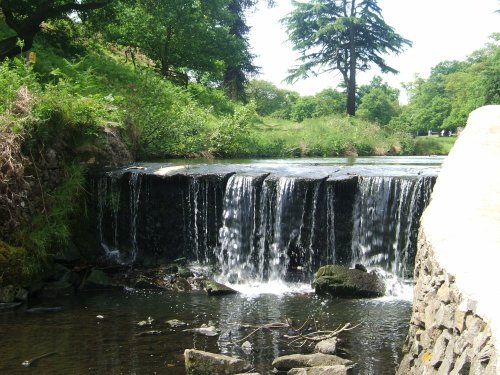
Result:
<point x="115" y="344"/>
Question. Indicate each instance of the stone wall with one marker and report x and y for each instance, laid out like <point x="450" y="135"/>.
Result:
<point x="455" y="324"/>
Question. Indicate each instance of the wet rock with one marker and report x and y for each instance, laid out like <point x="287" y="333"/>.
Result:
<point x="287" y="362"/>
<point x="320" y="370"/>
<point x="360" y="267"/>
<point x="148" y="321"/>
<point x="341" y="281"/>
<point x="11" y="293"/>
<point x="144" y="282"/>
<point x="174" y="323"/>
<point x="181" y="284"/>
<point x="9" y="306"/>
<point x="247" y="347"/>
<point x="204" y="330"/>
<point x="214" y="288"/>
<point x="328" y="346"/>
<point x="184" y="272"/>
<point x="97" y="279"/>
<point x="205" y="363"/>
<point x="56" y="289"/>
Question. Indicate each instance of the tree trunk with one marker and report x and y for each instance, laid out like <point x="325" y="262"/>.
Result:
<point x="9" y="47"/>
<point x="351" y="86"/>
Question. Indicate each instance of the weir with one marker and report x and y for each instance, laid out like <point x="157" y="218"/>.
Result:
<point x="263" y="222"/>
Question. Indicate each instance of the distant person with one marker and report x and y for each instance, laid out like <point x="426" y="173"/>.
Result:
<point x="429" y="133"/>
<point x="442" y="133"/>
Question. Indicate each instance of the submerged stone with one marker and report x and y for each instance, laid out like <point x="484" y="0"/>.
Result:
<point x="320" y="370"/>
<point x="174" y="323"/>
<point x="341" y="281"/>
<point x="328" y="346"/>
<point x="288" y="362"/>
<point x="214" y="288"/>
<point x="205" y="363"/>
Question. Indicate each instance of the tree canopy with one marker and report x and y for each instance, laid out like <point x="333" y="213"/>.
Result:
<point x="341" y="35"/>
<point x="25" y="17"/>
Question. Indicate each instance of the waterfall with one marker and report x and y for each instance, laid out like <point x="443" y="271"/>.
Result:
<point x="270" y="227"/>
<point x="385" y="221"/>
<point x="110" y="213"/>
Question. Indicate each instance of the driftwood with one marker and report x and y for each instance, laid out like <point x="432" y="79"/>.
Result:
<point x="29" y="362"/>
<point x="299" y="338"/>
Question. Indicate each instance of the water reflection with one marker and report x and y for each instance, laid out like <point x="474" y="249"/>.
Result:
<point x="118" y="345"/>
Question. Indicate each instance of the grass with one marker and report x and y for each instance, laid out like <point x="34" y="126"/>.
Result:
<point x="433" y="145"/>
<point x="321" y="137"/>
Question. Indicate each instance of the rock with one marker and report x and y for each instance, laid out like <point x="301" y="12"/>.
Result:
<point x="69" y="255"/>
<point x="11" y="293"/>
<point x="247" y="347"/>
<point x="181" y="284"/>
<point x="214" y="288"/>
<point x="174" y="323"/>
<point x="144" y="282"/>
<point x="44" y="309"/>
<point x="287" y="362"/>
<point x="184" y="272"/>
<point x="96" y="279"/>
<point x="204" y="363"/>
<point x="328" y="346"/>
<point x="341" y="281"/>
<point x="9" y="306"/>
<point x="56" y="289"/>
<point x="360" y="267"/>
<point x="148" y="322"/>
<point x="153" y="332"/>
<point x="320" y="370"/>
<point x="204" y="330"/>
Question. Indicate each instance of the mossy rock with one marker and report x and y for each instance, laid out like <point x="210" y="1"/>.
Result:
<point x="341" y="281"/>
<point x="14" y="265"/>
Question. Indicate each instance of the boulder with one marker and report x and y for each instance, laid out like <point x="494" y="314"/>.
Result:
<point x="205" y="363"/>
<point x="174" y="323"/>
<point x="288" y="362"/>
<point x="328" y="346"/>
<point x="341" y="281"/>
<point x="214" y="288"/>
<point x="56" y="289"/>
<point x="96" y="279"/>
<point x="320" y="370"/>
<point x="11" y="293"/>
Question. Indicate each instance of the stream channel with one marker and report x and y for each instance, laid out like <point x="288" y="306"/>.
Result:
<point x="97" y="332"/>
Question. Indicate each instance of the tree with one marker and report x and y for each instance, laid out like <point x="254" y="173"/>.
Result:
<point x="378" y="106"/>
<point x="341" y="35"/>
<point x="25" y="18"/>
<point x="269" y="99"/>
<point x="236" y="74"/>
<point x="376" y="83"/>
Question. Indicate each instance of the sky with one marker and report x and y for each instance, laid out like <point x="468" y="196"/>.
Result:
<point x="439" y="29"/>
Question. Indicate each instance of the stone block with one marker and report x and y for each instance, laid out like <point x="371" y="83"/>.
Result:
<point x="205" y="363"/>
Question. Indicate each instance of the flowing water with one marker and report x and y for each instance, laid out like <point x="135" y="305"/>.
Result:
<point x="265" y="227"/>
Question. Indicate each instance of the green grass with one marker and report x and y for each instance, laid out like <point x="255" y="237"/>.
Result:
<point x="433" y="145"/>
<point x="320" y="137"/>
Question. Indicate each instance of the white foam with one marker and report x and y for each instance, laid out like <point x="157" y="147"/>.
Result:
<point x="278" y="288"/>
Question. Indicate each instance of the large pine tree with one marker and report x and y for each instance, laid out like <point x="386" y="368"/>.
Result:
<point x="341" y="35"/>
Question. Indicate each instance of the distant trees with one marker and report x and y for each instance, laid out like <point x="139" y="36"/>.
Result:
<point x="377" y="101"/>
<point x="25" y="18"/>
<point x="342" y="35"/>
<point x="453" y="90"/>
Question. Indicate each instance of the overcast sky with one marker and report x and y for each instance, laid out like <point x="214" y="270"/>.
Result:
<point x="439" y="29"/>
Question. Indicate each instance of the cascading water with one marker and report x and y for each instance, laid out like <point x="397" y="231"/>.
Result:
<point x="263" y="238"/>
<point x="386" y="217"/>
<point x="109" y="211"/>
<point x="262" y="226"/>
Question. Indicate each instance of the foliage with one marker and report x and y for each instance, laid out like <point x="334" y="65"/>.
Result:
<point x="25" y="18"/>
<point x="453" y="90"/>
<point x="51" y="230"/>
<point x="269" y="99"/>
<point x="342" y="35"/>
<point x="14" y="265"/>
<point x="321" y="137"/>
<point x="378" y="107"/>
